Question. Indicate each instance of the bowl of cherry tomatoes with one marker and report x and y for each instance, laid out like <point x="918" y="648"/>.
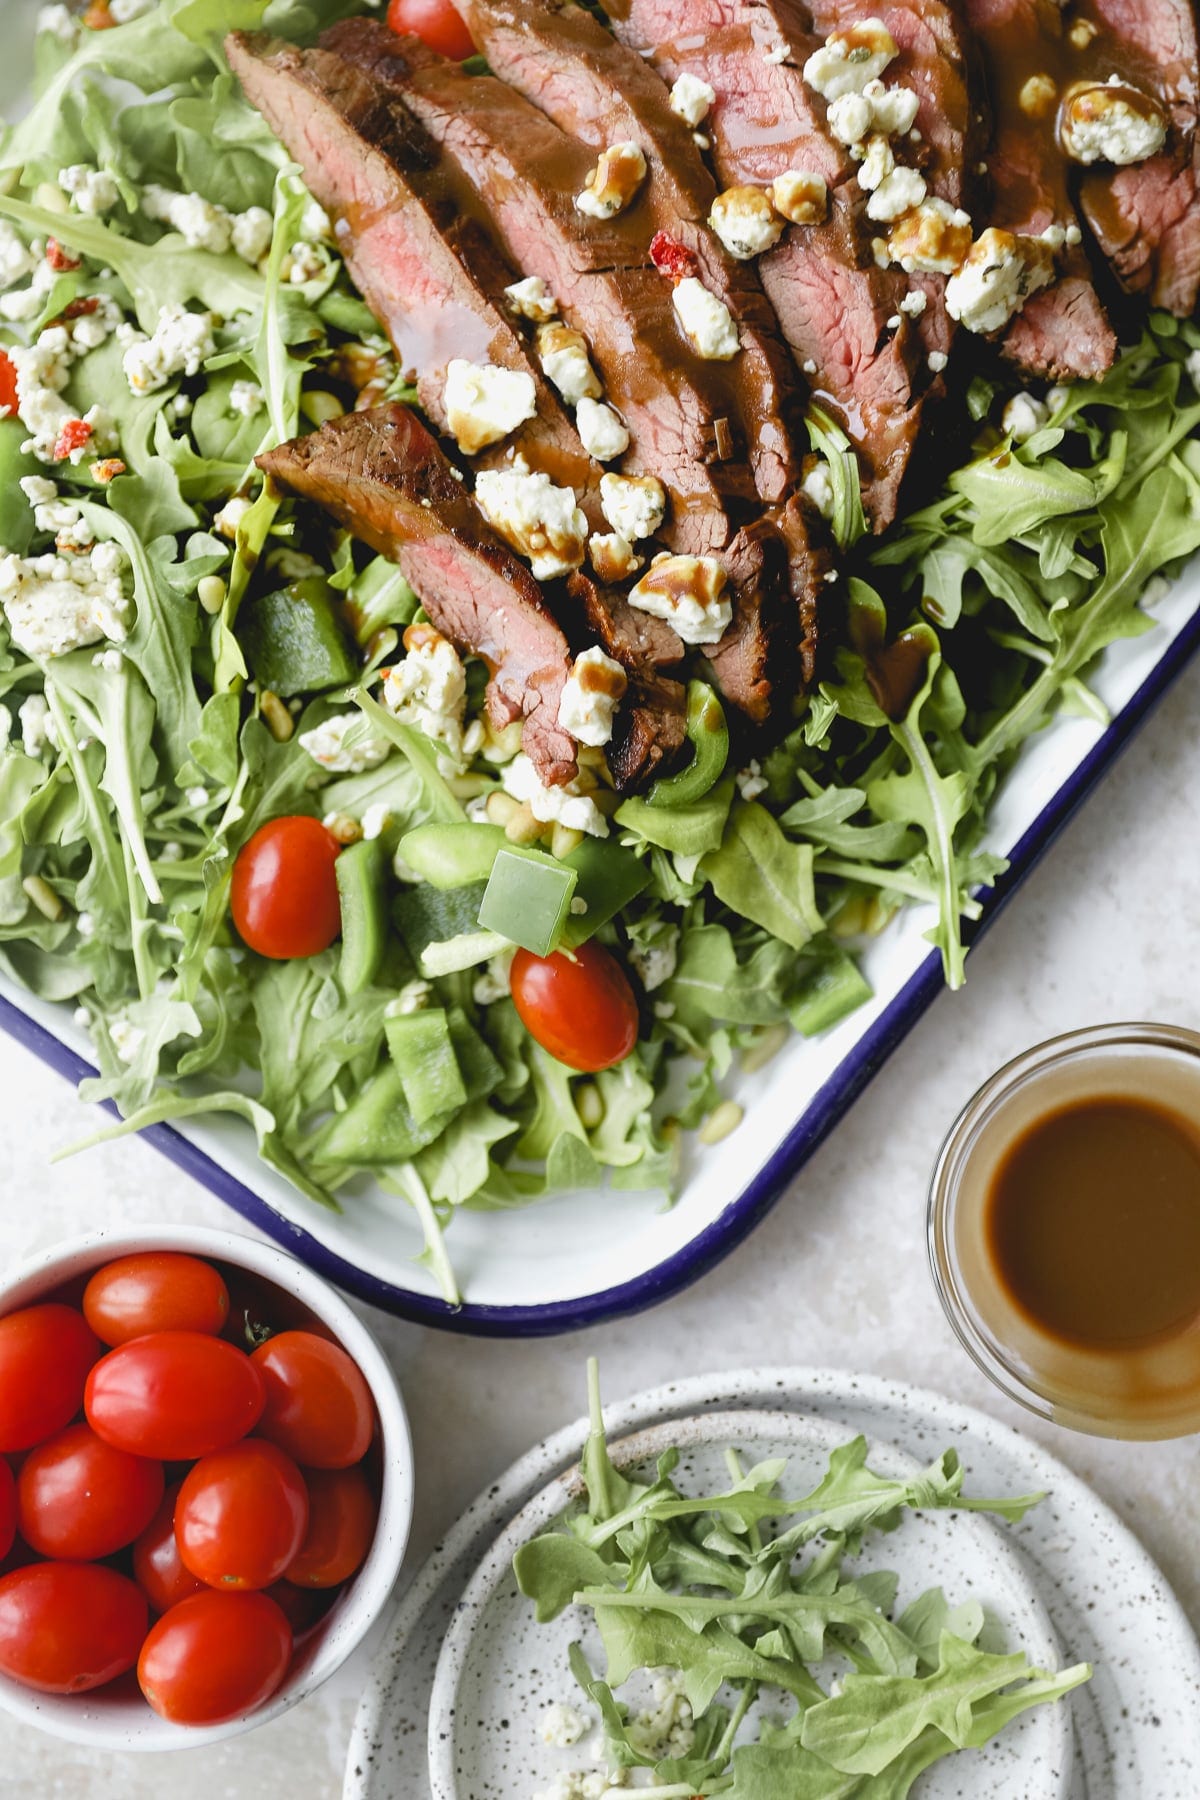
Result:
<point x="206" y="1487"/>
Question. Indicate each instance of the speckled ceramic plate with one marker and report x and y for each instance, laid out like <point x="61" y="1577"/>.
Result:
<point x="499" y="1669"/>
<point x="1136" y="1726"/>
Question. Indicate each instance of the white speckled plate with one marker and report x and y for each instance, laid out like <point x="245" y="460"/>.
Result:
<point x="499" y="1669"/>
<point x="1137" y="1725"/>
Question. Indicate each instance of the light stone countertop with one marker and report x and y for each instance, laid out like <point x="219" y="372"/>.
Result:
<point x="1107" y="928"/>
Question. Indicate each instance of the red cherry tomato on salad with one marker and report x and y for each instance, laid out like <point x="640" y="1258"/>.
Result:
<point x="45" y="1354"/>
<point x="157" y="1565"/>
<point x="241" y="1516"/>
<point x="8" y="383"/>
<point x="8" y="1508"/>
<point x="159" y="1290"/>
<point x="215" y="1657"/>
<point x="319" y="1406"/>
<point x="69" y="1626"/>
<point x="174" y="1395"/>
<point x="79" y="1499"/>
<point x="436" y="23"/>
<point x="303" y="1608"/>
<point x="342" y="1510"/>
<point x="284" y="896"/>
<point x="580" y="1008"/>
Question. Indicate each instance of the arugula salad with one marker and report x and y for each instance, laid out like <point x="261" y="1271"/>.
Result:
<point x="186" y="656"/>
<point x="744" y="1603"/>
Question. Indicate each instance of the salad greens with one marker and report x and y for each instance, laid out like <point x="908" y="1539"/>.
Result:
<point x="696" y="1589"/>
<point x="169" y="292"/>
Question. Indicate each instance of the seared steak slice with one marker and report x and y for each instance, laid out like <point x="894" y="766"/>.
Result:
<point x="382" y="475"/>
<point x="1062" y="331"/>
<point x="637" y="640"/>
<point x="832" y="302"/>
<point x="681" y="410"/>
<point x="1146" y="218"/>
<point x="595" y="88"/>
<point x="750" y="658"/>
<point x="649" y="731"/>
<point x="420" y="260"/>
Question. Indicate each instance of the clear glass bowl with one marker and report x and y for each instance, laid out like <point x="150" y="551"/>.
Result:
<point x="1153" y="1392"/>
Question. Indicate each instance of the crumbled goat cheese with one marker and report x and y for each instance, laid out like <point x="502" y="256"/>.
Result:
<point x="601" y="430"/>
<point x="801" y="196"/>
<point x="493" y="984"/>
<point x="37" y="725"/>
<point x="93" y="190"/>
<point x="656" y="962"/>
<point x="877" y="163"/>
<point x="43" y="370"/>
<point x="484" y="403"/>
<point x="590" y="697"/>
<point x="252" y="233"/>
<point x="345" y="744"/>
<point x="848" y="60"/>
<point x="70" y="529"/>
<point x="1024" y="415"/>
<point x="428" y="688"/>
<point x="59" y="22"/>
<point x="553" y="805"/>
<point x="17" y="260"/>
<point x="937" y="360"/>
<point x="751" y="782"/>
<point x="232" y="516"/>
<point x="181" y="345"/>
<point x="563" y="354"/>
<point x="897" y="193"/>
<point x="25" y="303"/>
<point x="997" y="277"/>
<point x="38" y="490"/>
<point x="745" y="221"/>
<point x="376" y="820"/>
<point x="692" y="99"/>
<point x="612" y="184"/>
<point x="304" y="263"/>
<point x="634" y="505"/>
<point x="1037" y="96"/>
<point x="532" y="299"/>
<point x="706" y="320"/>
<point x="123" y="11"/>
<point x="562" y="1725"/>
<point x="247" y="399"/>
<point x="58" y="603"/>
<point x="127" y="1039"/>
<point x="413" y="997"/>
<point x="1113" y="124"/>
<point x="196" y="797"/>
<point x="543" y="522"/>
<point x="933" y="239"/>
<point x="914" y="303"/>
<point x="665" y="1730"/>
<point x="817" y="486"/>
<point x="613" y="557"/>
<point x="201" y="224"/>
<point x="851" y="118"/>
<point x="689" y="592"/>
<point x="893" y="109"/>
<point x="316" y="227"/>
<point x="110" y="661"/>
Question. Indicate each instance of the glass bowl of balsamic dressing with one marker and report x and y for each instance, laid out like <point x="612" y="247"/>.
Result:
<point x="1064" y="1230"/>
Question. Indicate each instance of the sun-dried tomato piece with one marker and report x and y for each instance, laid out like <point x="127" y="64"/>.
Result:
<point x="671" y="258"/>
<point x="8" y="383"/>
<point x="60" y="260"/>
<point x="106" y="469"/>
<point x="75" y="435"/>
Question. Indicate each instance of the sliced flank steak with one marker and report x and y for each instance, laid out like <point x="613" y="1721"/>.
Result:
<point x="832" y="301"/>
<point x="419" y="258"/>
<point x="383" y="476"/>
<point x="596" y="89"/>
<point x="651" y="722"/>
<point x="1146" y="218"/>
<point x="681" y="410"/>
<point x="1062" y="332"/>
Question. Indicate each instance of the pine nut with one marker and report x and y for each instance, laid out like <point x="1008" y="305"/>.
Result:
<point x="589" y="1105"/>
<point x="501" y="807"/>
<point x="767" y="1045"/>
<point x="523" y="828"/>
<point x="721" y="1121"/>
<point x="280" y="722"/>
<point x="564" y="839"/>
<point x="211" y="593"/>
<point x="44" y="898"/>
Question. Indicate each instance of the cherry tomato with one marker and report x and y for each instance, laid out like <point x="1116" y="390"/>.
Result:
<point x="174" y="1395"/>
<point x="342" y="1510"/>
<point x="284" y="896"/>
<point x="436" y="23"/>
<point x="79" y="1499"/>
<point x="215" y="1657"/>
<point x="8" y="1508"/>
<point x="241" y="1516"/>
<point x="45" y="1354"/>
<point x="69" y="1626"/>
<point x="580" y="1008"/>
<point x="157" y="1291"/>
<point x="319" y="1407"/>
<point x="157" y="1565"/>
<point x="303" y="1608"/>
<point x="8" y="383"/>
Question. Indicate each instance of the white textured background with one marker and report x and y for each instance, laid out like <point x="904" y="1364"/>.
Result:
<point x="1107" y="928"/>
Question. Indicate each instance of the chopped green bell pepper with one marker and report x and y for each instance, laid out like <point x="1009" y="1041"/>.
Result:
<point x="709" y="736"/>
<point x="294" y="639"/>
<point x="361" y="871"/>
<point x="528" y="899"/>
<point x="422" y="1049"/>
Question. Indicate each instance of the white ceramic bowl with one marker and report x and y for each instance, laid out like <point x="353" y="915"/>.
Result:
<point x="121" y="1720"/>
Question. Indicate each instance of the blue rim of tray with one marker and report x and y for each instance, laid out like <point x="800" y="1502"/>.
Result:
<point x="703" y="1252"/>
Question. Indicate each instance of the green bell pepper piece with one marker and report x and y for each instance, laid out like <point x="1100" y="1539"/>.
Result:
<point x="294" y="639"/>
<point x="361" y="871"/>
<point x="450" y="856"/>
<point x="609" y="878"/>
<point x="528" y="899"/>
<point x="709" y="736"/>
<point x="422" y="1049"/>
<point x="377" y="1126"/>
<point x="452" y="955"/>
